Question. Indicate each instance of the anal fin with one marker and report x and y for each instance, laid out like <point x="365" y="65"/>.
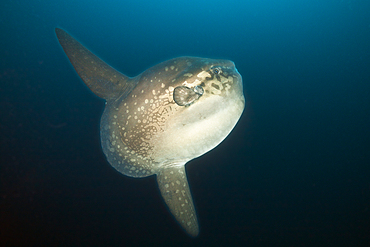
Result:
<point x="174" y="187"/>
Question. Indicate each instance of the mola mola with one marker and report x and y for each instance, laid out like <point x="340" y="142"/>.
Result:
<point x="158" y="121"/>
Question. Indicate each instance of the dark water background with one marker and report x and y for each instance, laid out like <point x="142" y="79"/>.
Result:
<point x="294" y="172"/>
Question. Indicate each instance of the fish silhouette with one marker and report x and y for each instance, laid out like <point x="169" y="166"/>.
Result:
<point x="160" y="120"/>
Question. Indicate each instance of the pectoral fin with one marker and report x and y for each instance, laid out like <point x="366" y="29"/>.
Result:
<point x="174" y="188"/>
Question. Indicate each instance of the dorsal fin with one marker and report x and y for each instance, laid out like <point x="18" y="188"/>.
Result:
<point x="102" y="79"/>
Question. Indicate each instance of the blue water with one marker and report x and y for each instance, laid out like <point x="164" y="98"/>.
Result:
<point x="294" y="172"/>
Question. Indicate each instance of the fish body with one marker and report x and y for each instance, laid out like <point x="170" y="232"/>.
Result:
<point x="158" y="121"/>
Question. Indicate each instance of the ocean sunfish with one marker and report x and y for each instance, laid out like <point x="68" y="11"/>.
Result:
<point x="158" y="121"/>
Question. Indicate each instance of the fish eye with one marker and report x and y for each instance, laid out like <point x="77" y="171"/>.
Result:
<point x="216" y="70"/>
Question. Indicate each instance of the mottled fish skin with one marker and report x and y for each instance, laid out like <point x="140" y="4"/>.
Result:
<point x="159" y="120"/>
